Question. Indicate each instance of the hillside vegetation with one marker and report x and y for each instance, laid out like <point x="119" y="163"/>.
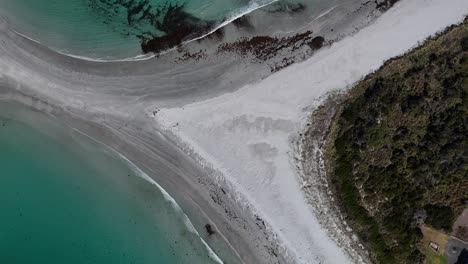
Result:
<point x="397" y="149"/>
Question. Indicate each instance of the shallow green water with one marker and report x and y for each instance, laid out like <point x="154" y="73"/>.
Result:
<point x="65" y="199"/>
<point x="106" y="28"/>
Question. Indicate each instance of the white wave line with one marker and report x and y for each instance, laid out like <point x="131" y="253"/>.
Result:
<point x="251" y="8"/>
<point x="166" y="195"/>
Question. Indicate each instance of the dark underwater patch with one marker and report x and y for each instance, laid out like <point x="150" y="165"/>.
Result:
<point x="178" y="27"/>
<point x="138" y="13"/>
<point x="157" y="27"/>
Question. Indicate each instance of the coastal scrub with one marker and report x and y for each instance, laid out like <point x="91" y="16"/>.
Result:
<point x="397" y="148"/>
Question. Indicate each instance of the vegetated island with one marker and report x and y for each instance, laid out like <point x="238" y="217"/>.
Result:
<point x="396" y="151"/>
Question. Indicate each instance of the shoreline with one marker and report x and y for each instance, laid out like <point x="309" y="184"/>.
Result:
<point x="166" y="195"/>
<point x="104" y="107"/>
<point x="250" y="10"/>
<point x="111" y="138"/>
<point x="16" y="114"/>
<point x="238" y="32"/>
<point x="312" y="166"/>
<point x="146" y="56"/>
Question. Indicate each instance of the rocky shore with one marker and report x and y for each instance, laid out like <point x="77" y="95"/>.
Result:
<point x="317" y="184"/>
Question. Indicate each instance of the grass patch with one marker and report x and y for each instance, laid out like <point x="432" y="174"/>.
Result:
<point x="433" y="258"/>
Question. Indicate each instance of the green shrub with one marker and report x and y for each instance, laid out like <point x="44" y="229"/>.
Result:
<point x="440" y="216"/>
<point x="403" y="140"/>
<point x="464" y="43"/>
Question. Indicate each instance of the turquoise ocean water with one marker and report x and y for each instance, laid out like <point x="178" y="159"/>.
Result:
<point x="107" y="29"/>
<point x="66" y="199"/>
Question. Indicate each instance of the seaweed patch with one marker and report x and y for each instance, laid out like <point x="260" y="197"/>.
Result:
<point x="266" y="47"/>
<point x="178" y="26"/>
<point x="157" y="27"/>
